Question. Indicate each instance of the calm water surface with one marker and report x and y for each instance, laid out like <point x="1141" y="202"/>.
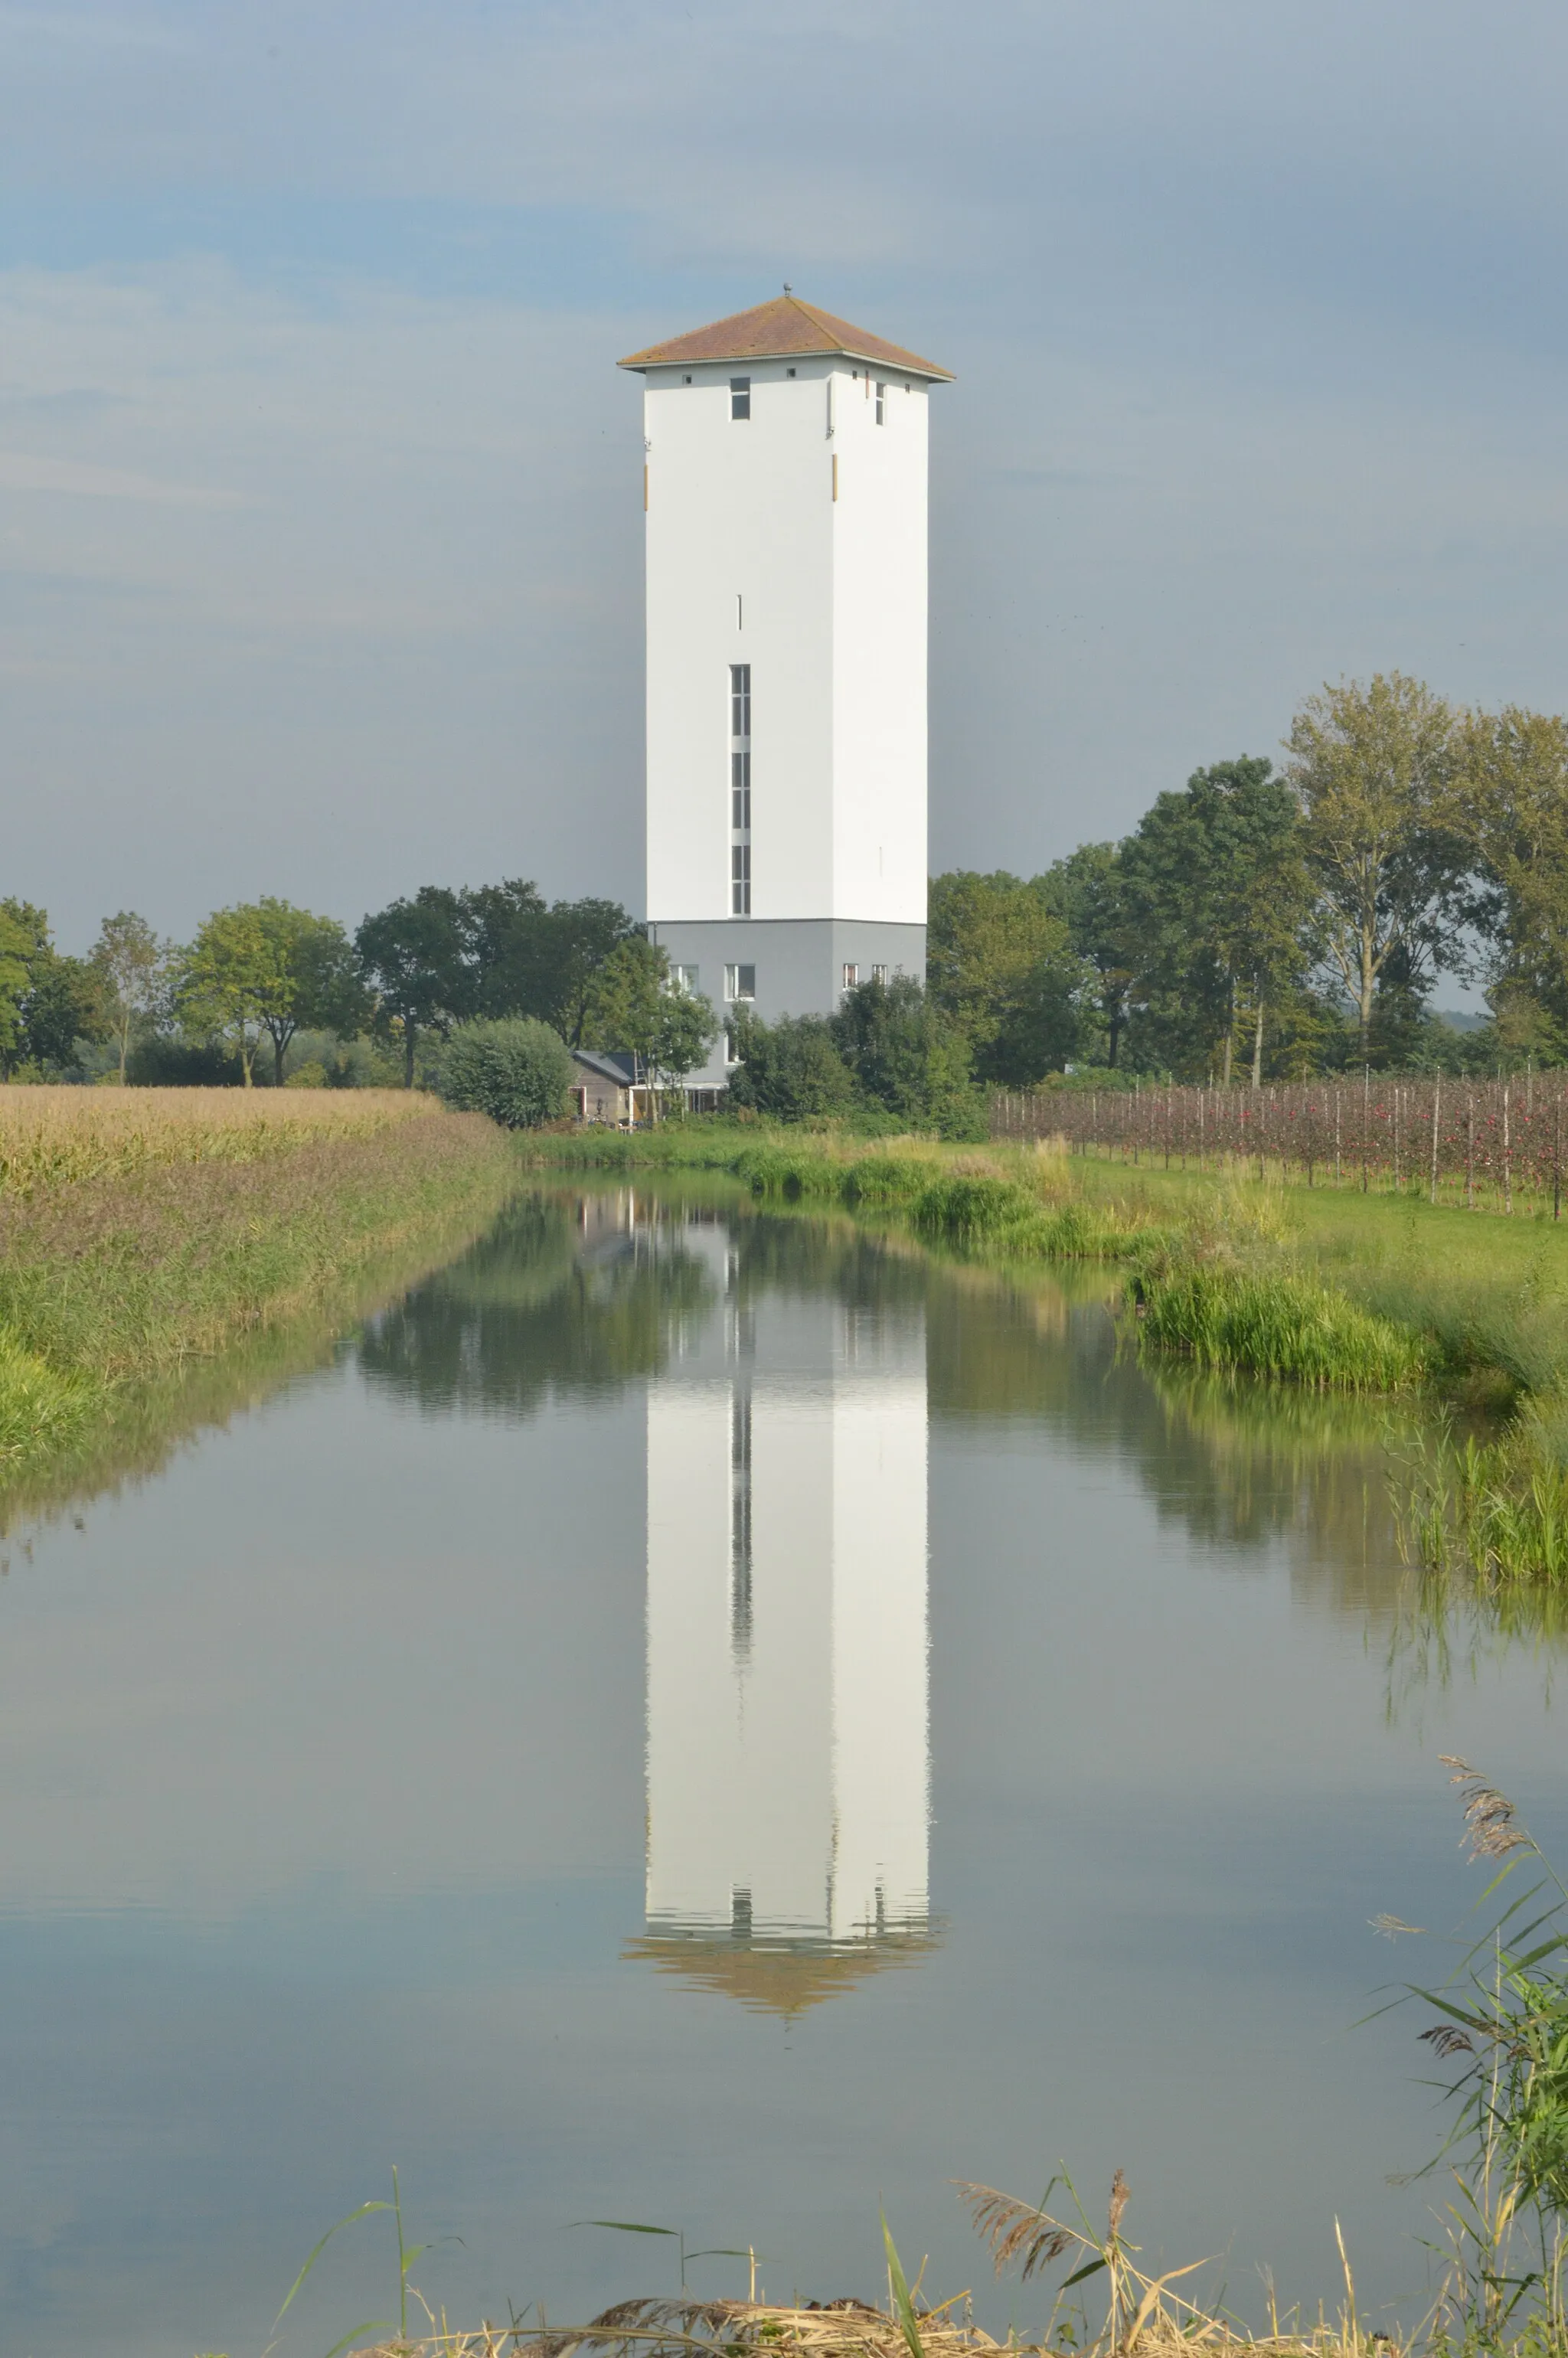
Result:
<point x="694" y="1717"/>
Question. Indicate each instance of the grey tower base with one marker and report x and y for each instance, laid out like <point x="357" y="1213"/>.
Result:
<point x="799" y="964"/>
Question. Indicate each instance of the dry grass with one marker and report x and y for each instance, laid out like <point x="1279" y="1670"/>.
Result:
<point x="142" y="1232"/>
<point x="56" y="1137"/>
<point x="849" y="2329"/>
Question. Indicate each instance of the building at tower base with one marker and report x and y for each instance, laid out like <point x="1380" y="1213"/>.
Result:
<point x="785" y="457"/>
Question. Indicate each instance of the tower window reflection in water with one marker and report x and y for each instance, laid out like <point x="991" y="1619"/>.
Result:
<point x="787" y="1752"/>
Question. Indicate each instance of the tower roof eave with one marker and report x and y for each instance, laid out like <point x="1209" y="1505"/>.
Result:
<point x="785" y="329"/>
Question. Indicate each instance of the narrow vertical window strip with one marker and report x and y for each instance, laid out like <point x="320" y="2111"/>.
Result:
<point x="739" y="790"/>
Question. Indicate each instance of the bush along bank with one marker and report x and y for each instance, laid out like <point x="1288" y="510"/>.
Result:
<point x="114" y="1282"/>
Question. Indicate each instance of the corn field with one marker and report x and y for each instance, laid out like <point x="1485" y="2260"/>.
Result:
<point x="1496" y="1145"/>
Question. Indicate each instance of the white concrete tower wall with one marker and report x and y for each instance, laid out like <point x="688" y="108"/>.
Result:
<point x="740" y="570"/>
<point x="788" y="1748"/>
<point x="880" y="647"/>
<point x="881" y="1660"/>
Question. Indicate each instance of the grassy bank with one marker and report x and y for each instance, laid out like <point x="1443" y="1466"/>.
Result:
<point x="143" y="1233"/>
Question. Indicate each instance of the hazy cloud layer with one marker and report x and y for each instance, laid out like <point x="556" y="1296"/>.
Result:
<point x="319" y="532"/>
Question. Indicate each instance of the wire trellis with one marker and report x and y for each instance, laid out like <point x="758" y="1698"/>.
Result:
<point x="1493" y="1145"/>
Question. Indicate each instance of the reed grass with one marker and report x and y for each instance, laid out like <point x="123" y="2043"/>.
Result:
<point x="1229" y="1318"/>
<point x="135" y="1245"/>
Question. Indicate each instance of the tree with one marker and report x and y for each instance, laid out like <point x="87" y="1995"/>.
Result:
<point x="1085" y="892"/>
<point x="413" y="956"/>
<point x="1372" y="769"/>
<point x="320" y="986"/>
<point x="61" y="1001"/>
<point x="791" y="1068"/>
<point x="1511" y="808"/>
<point x="516" y="1069"/>
<point x="907" y="1056"/>
<point x="66" y="1003"/>
<point x="530" y="959"/>
<point x="129" y="959"/>
<point x="1001" y="964"/>
<point x="16" y="944"/>
<point x="1215" y="901"/>
<point x="235" y="981"/>
<point x="634" y="1005"/>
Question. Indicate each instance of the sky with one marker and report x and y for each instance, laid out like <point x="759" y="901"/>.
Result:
<point x="320" y="494"/>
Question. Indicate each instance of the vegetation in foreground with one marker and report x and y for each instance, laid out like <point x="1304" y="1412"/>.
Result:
<point x="140" y="1234"/>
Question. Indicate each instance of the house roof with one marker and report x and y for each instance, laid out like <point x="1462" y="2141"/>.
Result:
<point x="783" y="330"/>
<point x="610" y="1063"/>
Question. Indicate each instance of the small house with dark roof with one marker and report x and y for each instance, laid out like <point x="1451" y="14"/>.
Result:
<point x="784" y="485"/>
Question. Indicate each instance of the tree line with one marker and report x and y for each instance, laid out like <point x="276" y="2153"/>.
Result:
<point x="1282" y="923"/>
<point x="1261" y="922"/>
<point x="263" y="977"/>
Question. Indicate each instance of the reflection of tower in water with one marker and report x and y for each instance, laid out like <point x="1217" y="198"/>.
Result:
<point x="788" y="1775"/>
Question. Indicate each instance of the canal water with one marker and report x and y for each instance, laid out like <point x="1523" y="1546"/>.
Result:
<point x="713" y="1720"/>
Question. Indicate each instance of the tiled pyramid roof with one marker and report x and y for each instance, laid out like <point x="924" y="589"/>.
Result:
<point x="780" y="331"/>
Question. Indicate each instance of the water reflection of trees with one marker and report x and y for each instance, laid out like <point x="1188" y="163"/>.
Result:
<point x="583" y="1294"/>
<point x="1243" y="1468"/>
<point x="550" y="1303"/>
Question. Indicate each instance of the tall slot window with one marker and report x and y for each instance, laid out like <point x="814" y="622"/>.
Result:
<point x="739" y="790"/>
<point x="881" y="404"/>
<point x="739" y="396"/>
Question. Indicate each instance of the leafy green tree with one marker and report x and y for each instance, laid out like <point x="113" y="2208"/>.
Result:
<point x="528" y="959"/>
<point x="233" y="980"/>
<point x="1001" y="963"/>
<point x="62" y="1000"/>
<point x="130" y="959"/>
<point x="1373" y="769"/>
<point x="791" y="1068"/>
<point x="513" y="1068"/>
<point x="1215" y="905"/>
<point x="320" y="990"/>
<point x="414" y="958"/>
<point x="18" y="943"/>
<point x="633" y="1005"/>
<point x="1084" y="891"/>
<point x="908" y="1057"/>
<point x="1510" y="807"/>
<point x="65" y="1004"/>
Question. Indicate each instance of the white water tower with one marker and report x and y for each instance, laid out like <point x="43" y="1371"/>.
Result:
<point x="785" y="488"/>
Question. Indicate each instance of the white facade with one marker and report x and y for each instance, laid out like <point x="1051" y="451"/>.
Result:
<point x="787" y="1765"/>
<point x="785" y="490"/>
<point x="752" y="560"/>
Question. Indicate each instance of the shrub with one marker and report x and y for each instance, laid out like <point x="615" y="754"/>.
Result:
<point x="790" y="1069"/>
<point x="517" y="1070"/>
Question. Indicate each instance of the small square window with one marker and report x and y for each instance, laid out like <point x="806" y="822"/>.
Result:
<point x="789" y="372"/>
<point x="686" y="380"/>
<point x="740" y="982"/>
<point x="684" y="978"/>
<point x="739" y="396"/>
<point x="851" y="975"/>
